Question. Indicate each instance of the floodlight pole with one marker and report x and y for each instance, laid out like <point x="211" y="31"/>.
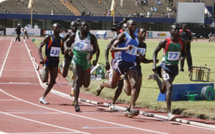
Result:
<point x="31" y="15"/>
<point x="114" y="17"/>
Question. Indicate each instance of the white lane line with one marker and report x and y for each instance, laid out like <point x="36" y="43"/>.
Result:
<point x="190" y="123"/>
<point x="8" y="100"/>
<point x="6" y="57"/>
<point x="84" y="117"/>
<point x="44" y="133"/>
<point x="43" y="123"/>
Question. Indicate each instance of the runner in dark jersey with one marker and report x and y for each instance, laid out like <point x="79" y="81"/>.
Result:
<point x="109" y="67"/>
<point x="68" y="55"/>
<point x="53" y="45"/>
<point x="173" y="51"/>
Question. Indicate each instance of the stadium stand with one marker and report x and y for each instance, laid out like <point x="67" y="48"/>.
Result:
<point x="64" y="7"/>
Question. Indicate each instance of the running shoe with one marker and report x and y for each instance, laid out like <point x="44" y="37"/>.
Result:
<point x="170" y="117"/>
<point x="43" y="101"/>
<point x="152" y="76"/>
<point x="77" y="108"/>
<point x="112" y="107"/>
<point x="127" y="111"/>
<point x="133" y="113"/>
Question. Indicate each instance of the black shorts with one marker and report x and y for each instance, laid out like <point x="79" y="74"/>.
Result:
<point x="139" y="71"/>
<point x="172" y="70"/>
<point x="52" y="62"/>
<point x="122" y="66"/>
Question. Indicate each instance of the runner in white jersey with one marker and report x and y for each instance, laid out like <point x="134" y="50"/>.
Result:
<point x="84" y="45"/>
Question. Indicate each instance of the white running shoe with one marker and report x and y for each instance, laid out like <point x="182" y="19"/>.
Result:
<point x="43" y="101"/>
<point x="170" y="117"/>
<point x="112" y="107"/>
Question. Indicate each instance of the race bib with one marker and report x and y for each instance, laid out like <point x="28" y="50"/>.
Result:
<point x="55" y="51"/>
<point x="136" y="51"/>
<point x="174" y="56"/>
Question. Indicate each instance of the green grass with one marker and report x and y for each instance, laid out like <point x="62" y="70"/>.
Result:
<point x="202" y="53"/>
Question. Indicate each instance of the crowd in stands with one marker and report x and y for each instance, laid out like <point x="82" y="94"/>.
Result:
<point x="148" y="9"/>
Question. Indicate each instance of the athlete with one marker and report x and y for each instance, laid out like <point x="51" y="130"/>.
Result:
<point x="84" y="45"/>
<point x="53" y="45"/>
<point x="127" y="43"/>
<point x="141" y="58"/>
<point x="115" y="55"/>
<point x="68" y="54"/>
<point x="174" y="50"/>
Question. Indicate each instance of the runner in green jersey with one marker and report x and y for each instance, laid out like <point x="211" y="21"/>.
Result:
<point x="84" y="45"/>
<point x="168" y="69"/>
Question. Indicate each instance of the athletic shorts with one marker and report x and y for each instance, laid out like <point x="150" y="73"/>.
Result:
<point x="83" y="63"/>
<point x="122" y="66"/>
<point x="172" y="70"/>
<point x="139" y="71"/>
<point x="51" y="62"/>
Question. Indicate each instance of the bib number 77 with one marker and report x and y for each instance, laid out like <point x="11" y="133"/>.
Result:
<point x="174" y="55"/>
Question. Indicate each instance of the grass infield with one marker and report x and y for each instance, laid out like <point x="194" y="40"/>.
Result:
<point x="202" y="54"/>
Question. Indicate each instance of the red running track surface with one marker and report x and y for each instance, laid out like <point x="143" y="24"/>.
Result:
<point x="20" y="112"/>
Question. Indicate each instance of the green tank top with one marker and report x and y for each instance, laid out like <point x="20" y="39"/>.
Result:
<point x="172" y="52"/>
<point x="82" y="48"/>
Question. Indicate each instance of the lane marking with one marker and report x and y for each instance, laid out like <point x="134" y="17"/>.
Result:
<point x="18" y="83"/>
<point x="191" y="123"/>
<point x="45" y="133"/>
<point x="6" y="57"/>
<point x="104" y="127"/>
<point x="84" y="117"/>
<point x="8" y="100"/>
<point x="43" y="123"/>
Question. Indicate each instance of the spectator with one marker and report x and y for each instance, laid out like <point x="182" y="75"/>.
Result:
<point x="83" y="13"/>
<point x="155" y="9"/>
<point x="89" y="13"/>
<point x="52" y="12"/>
<point x="141" y="14"/>
<point x="18" y="32"/>
<point x="186" y="35"/>
<point x="152" y="9"/>
<point x="162" y="15"/>
<point x="145" y="2"/>
<point x="141" y="3"/>
<point x="36" y="26"/>
<point x="121" y="3"/>
<point x="136" y="3"/>
<point x="26" y="32"/>
<point x="159" y="2"/>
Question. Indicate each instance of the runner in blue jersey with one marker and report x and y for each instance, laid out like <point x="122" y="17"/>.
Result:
<point x="127" y="43"/>
<point x="53" y="45"/>
<point x="174" y="50"/>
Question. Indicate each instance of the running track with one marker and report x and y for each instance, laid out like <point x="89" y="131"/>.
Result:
<point x="20" y="112"/>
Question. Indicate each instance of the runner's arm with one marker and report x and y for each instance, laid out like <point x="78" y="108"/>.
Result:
<point x="42" y="44"/>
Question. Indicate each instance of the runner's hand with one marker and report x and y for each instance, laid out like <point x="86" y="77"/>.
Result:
<point x="41" y="61"/>
<point x="107" y="66"/>
<point x="129" y="47"/>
